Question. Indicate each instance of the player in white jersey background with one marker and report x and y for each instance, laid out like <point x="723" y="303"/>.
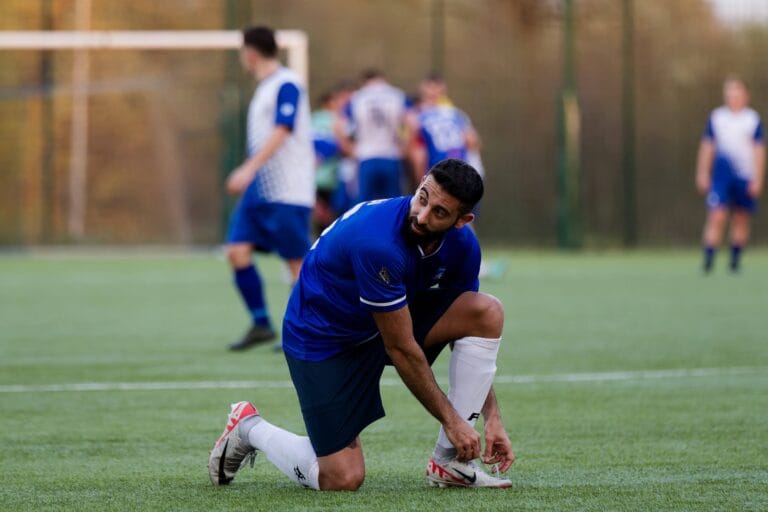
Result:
<point x="276" y="180"/>
<point x="730" y="171"/>
<point x="375" y="119"/>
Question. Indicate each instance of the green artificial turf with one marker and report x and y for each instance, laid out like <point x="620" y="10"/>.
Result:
<point x="628" y="381"/>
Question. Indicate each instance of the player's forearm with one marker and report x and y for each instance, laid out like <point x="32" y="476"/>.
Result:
<point x="345" y="143"/>
<point x="472" y="140"/>
<point x="490" y="408"/>
<point x="704" y="160"/>
<point x="272" y="144"/>
<point x="412" y="365"/>
<point x="414" y="370"/>
<point x="418" y="159"/>
<point x="759" y="165"/>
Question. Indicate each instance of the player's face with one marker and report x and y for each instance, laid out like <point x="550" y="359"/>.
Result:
<point x="735" y="95"/>
<point x="247" y="58"/>
<point x="431" y="91"/>
<point x="433" y="212"/>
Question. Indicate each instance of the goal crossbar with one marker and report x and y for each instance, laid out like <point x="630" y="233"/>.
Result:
<point x="293" y="41"/>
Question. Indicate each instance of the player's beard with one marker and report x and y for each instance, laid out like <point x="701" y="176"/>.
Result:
<point x="418" y="233"/>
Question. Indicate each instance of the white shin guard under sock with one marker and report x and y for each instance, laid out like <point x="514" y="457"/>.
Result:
<point x="290" y="453"/>
<point x="471" y="372"/>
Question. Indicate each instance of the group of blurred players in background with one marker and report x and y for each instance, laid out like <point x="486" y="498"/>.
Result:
<point x="373" y="141"/>
<point x="368" y="139"/>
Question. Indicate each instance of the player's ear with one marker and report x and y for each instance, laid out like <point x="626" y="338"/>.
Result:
<point x="464" y="219"/>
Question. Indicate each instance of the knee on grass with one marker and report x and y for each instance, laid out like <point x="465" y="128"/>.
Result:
<point x="342" y="479"/>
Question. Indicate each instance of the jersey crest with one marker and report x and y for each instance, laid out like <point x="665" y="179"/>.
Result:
<point x="384" y="275"/>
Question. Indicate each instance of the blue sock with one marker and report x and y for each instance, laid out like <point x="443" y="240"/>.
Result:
<point x="251" y="290"/>
<point x="735" y="257"/>
<point x="709" y="257"/>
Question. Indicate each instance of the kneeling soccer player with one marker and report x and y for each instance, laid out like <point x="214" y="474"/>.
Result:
<point x="390" y="282"/>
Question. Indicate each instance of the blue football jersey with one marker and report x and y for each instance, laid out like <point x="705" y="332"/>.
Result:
<point x="443" y="130"/>
<point x="363" y="264"/>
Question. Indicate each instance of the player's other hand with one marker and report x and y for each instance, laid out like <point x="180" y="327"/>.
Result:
<point x="755" y="189"/>
<point x="238" y="180"/>
<point x="498" y="447"/>
<point x="464" y="438"/>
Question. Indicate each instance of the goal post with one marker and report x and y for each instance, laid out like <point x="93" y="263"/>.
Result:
<point x="293" y="42"/>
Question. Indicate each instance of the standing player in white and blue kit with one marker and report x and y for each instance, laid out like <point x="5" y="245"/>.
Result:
<point x="730" y="171"/>
<point x="276" y="180"/>
<point x="375" y="116"/>
<point x="390" y="282"/>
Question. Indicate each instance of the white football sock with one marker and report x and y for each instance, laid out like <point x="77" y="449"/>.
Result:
<point x="290" y="453"/>
<point x="471" y="372"/>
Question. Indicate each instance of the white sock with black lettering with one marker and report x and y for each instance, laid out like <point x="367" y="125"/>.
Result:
<point x="290" y="453"/>
<point x="471" y="372"/>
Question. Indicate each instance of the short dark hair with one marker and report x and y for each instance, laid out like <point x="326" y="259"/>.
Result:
<point x="262" y="39"/>
<point x="370" y="74"/>
<point x="324" y="98"/>
<point x="434" y="76"/>
<point x="460" y="180"/>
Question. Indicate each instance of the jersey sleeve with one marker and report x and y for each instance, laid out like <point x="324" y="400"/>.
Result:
<point x="287" y="105"/>
<point x="709" y="131"/>
<point x="379" y="274"/>
<point x="759" y="137"/>
<point x="347" y="111"/>
<point x="325" y="148"/>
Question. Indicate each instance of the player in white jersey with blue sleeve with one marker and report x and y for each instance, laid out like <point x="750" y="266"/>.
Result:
<point x="730" y="171"/>
<point x="392" y="281"/>
<point x="375" y="116"/>
<point x="276" y="180"/>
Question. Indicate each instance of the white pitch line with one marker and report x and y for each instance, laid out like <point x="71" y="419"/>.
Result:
<point x="679" y="373"/>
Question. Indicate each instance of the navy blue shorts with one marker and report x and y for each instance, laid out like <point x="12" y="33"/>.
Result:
<point x="728" y="189"/>
<point x="271" y="227"/>
<point x="340" y="396"/>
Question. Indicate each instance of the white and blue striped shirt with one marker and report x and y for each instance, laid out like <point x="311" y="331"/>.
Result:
<point x="734" y="135"/>
<point x="288" y="177"/>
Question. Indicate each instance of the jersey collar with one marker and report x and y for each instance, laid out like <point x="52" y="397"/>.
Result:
<point x="424" y="255"/>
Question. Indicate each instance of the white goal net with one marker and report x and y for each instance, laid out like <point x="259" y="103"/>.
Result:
<point x="123" y="136"/>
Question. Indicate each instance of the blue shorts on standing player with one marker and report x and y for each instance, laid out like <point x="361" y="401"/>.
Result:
<point x="271" y="227"/>
<point x="729" y="190"/>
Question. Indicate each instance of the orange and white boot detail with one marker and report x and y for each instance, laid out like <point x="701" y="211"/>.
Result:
<point x="462" y="474"/>
<point x="232" y="450"/>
